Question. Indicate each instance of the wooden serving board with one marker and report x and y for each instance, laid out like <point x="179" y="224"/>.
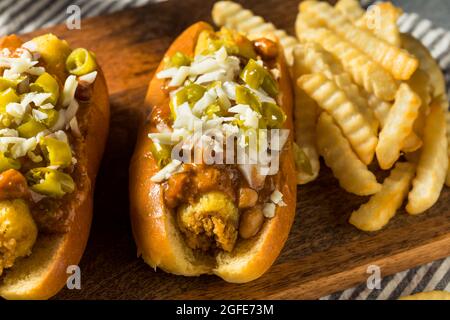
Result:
<point x="323" y="254"/>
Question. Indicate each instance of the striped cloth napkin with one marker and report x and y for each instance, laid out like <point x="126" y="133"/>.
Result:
<point x="433" y="276"/>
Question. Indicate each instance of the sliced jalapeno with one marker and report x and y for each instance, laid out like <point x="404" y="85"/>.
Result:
<point x="50" y="182"/>
<point x="30" y="128"/>
<point x="8" y="83"/>
<point x="273" y="115"/>
<point x="57" y="152"/>
<point x="7" y="163"/>
<point x="245" y="96"/>
<point x="179" y="59"/>
<point x="209" y="42"/>
<point x="257" y="76"/>
<point x="213" y="109"/>
<point x="52" y="117"/>
<point x="48" y="84"/>
<point x="8" y="96"/>
<point x="54" y="53"/>
<point x="80" y="62"/>
<point x="190" y="93"/>
<point x="253" y="74"/>
<point x="302" y="162"/>
<point x="270" y="85"/>
<point x="162" y="154"/>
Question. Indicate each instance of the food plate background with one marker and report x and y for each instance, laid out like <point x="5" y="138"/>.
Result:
<point x="323" y="254"/>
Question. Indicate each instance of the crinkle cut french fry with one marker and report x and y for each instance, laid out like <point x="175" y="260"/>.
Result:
<point x="353" y="175"/>
<point x="306" y="113"/>
<point x="312" y="58"/>
<point x="353" y="124"/>
<point x="399" y="125"/>
<point x="375" y="214"/>
<point x="232" y="15"/>
<point x="305" y="21"/>
<point x="353" y="92"/>
<point x="412" y="143"/>
<point x="421" y="85"/>
<point x="427" y="64"/>
<point x="351" y="9"/>
<point x="447" y="116"/>
<point x="381" y="19"/>
<point x="398" y="62"/>
<point x="380" y="108"/>
<point x="442" y="101"/>
<point x="433" y="163"/>
<point x="364" y="71"/>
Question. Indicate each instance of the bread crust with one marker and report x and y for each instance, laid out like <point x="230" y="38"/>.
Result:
<point x="154" y="227"/>
<point x="52" y="254"/>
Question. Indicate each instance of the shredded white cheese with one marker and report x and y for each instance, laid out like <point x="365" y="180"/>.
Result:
<point x="88" y="78"/>
<point x="70" y="86"/>
<point x="167" y="171"/>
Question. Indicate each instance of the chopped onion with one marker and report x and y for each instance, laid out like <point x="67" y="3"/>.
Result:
<point x="167" y="171"/>
<point x="205" y="66"/>
<point x="70" y="86"/>
<point x="179" y="77"/>
<point x="211" y="76"/>
<point x="88" y="78"/>
<point x="39" y="115"/>
<point x="74" y="127"/>
<point x="167" y="73"/>
<point x="71" y="111"/>
<point x="230" y="89"/>
<point x="208" y="98"/>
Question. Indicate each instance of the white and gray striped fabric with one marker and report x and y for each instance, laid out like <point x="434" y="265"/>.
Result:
<point x="20" y="16"/>
<point x="44" y="13"/>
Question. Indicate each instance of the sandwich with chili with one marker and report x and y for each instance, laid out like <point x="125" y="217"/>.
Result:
<point x="54" y="119"/>
<point x="203" y="203"/>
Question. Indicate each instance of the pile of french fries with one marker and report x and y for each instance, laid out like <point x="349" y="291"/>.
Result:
<point x="364" y="92"/>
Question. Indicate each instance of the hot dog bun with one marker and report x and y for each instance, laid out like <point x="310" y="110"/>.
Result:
<point x="154" y="225"/>
<point x="43" y="273"/>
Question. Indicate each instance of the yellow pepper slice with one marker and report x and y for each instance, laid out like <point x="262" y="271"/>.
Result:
<point x="54" y="52"/>
<point x="179" y="59"/>
<point x="8" y="163"/>
<point x="8" y="83"/>
<point x="235" y="43"/>
<point x="30" y="128"/>
<point x="213" y="109"/>
<point x="257" y="76"/>
<point x="6" y="97"/>
<point x="162" y="154"/>
<point x="245" y="96"/>
<point x="80" y="62"/>
<point x="50" y="182"/>
<point x="57" y="152"/>
<point x="190" y="93"/>
<point x="48" y="84"/>
<point x="273" y="115"/>
<point x="52" y="117"/>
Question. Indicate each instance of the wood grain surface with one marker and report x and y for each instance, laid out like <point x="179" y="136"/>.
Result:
<point x="323" y="254"/>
